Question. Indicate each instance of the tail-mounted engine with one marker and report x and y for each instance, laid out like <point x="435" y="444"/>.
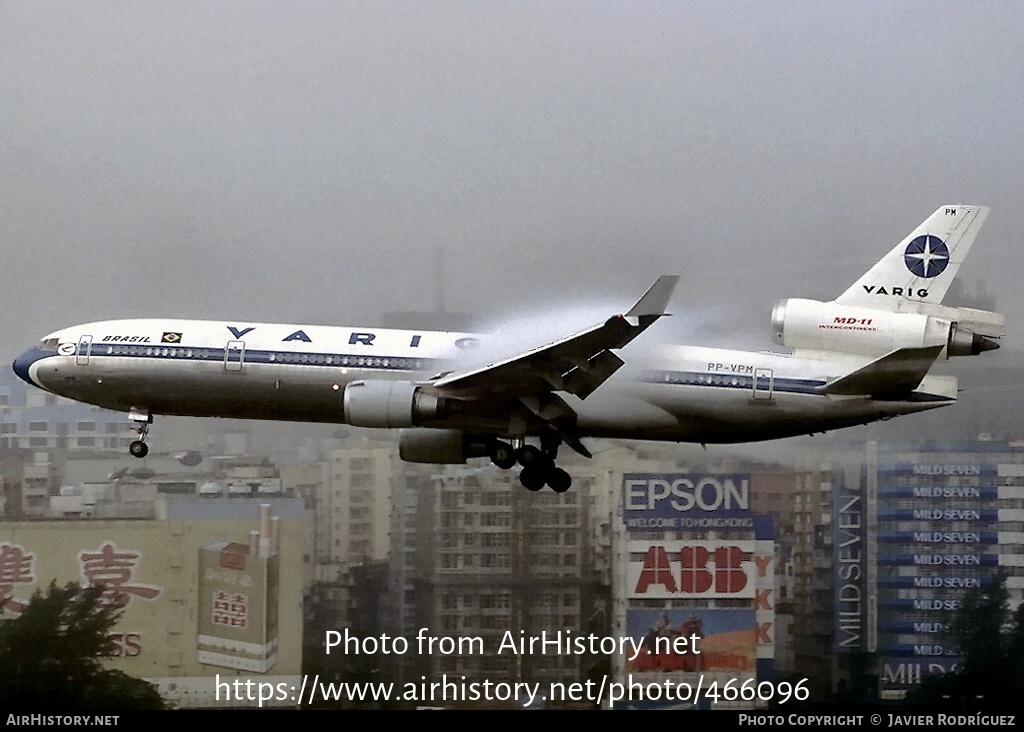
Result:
<point x="829" y="326"/>
<point x="389" y="404"/>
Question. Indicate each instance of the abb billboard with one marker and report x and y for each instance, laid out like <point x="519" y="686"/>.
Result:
<point x="686" y="568"/>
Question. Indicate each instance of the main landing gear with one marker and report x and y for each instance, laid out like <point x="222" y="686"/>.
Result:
<point x="143" y="419"/>
<point x="539" y="467"/>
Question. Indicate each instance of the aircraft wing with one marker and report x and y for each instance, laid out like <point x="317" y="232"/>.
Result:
<point x="577" y="364"/>
<point x="893" y="376"/>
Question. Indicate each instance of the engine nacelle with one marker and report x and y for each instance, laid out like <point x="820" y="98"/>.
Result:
<point x="965" y="343"/>
<point x="389" y="404"/>
<point x="829" y="326"/>
<point x="451" y="447"/>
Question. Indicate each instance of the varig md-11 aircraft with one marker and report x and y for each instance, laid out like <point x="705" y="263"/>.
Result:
<point x="864" y="356"/>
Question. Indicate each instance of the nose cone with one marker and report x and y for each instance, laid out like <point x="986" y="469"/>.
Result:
<point x="23" y="363"/>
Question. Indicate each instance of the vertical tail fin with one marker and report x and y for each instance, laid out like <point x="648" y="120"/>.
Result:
<point x="920" y="268"/>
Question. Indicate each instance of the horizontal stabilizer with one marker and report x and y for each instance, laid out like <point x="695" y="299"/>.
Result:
<point x="893" y="376"/>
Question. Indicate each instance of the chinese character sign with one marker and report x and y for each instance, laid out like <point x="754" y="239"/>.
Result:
<point x="115" y="569"/>
<point x="16" y="568"/>
<point x="230" y="609"/>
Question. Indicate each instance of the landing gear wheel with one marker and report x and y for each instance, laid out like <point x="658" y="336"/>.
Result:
<point x="503" y="455"/>
<point x="559" y="480"/>
<point x="532" y="457"/>
<point x="143" y="419"/>
<point x="532" y="478"/>
<point x="138" y="449"/>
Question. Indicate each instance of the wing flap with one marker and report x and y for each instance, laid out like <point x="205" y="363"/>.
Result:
<point x="577" y="364"/>
<point x="584" y="378"/>
<point x="893" y="376"/>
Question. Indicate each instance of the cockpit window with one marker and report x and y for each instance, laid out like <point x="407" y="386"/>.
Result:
<point x="50" y="344"/>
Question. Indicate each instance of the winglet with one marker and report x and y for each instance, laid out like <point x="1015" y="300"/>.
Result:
<point x="655" y="300"/>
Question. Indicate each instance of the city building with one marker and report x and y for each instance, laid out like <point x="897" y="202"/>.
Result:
<point x="916" y="527"/>
<point x="475" y="556"/>
<point x="209" y="589"/>
<point x="355" y="516"/>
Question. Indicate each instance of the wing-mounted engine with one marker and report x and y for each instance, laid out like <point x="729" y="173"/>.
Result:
<point x="390" y="404"/>
<point x="452" y="447"/>
<point x="809" y="325"/>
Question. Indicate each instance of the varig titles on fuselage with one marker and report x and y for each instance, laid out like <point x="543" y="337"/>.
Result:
<point x="355" y="337"/>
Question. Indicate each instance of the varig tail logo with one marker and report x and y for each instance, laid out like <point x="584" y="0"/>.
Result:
<point x="926" y="256"/>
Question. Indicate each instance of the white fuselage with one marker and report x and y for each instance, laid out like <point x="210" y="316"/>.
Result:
<point x="299" y="373"/>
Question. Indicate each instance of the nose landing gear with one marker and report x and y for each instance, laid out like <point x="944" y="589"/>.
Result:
<point x="143" y="419"/>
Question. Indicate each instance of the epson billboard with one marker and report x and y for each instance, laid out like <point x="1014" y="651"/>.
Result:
<point x="670" y="501"/>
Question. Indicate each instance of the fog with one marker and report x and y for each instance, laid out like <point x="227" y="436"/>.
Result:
<point x="305" y="162"/>
<point x="530" y="168"/>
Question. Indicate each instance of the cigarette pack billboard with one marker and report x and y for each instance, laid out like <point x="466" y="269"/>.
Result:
<point x="689" y="568"/>
<point x="238" y="601"/>
<point x="726" y="640"/>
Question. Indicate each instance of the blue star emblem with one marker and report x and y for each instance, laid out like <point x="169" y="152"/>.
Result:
<point x="926" y="256"/>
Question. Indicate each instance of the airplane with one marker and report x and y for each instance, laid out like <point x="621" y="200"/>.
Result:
<point x="862" y="357"/>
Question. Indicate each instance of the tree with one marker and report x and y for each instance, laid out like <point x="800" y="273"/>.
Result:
<point x="990" y="639"/>
<point x="51" y="657"/>
<point x="1015" y="647"/>
<point x="978" y="631"/>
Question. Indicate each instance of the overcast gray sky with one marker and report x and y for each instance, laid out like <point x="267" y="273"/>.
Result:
<point x="303" y="162"/>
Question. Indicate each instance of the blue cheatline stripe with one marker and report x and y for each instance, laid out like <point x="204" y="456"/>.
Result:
<point x="723" y="381"/>
<point x="779" y="384"/>
<point x="283" y="358"/>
